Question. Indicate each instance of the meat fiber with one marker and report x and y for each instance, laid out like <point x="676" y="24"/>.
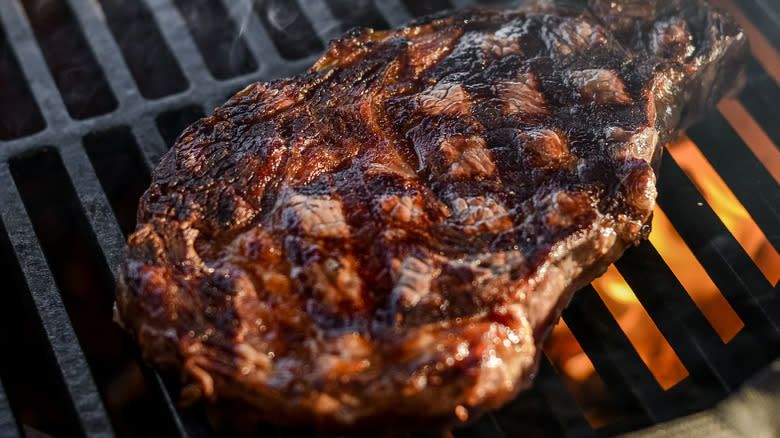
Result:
<point x="386" y="239"/>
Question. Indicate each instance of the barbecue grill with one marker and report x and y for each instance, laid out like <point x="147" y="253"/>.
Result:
<point x="93" y="92"/>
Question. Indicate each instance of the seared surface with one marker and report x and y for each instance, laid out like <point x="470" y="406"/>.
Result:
<point x="387" y="238"/>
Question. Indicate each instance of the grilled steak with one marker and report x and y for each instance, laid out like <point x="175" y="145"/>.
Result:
<point x="387" y="238"/>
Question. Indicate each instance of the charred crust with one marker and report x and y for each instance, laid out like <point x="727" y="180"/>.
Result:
<point x="389" y="236"/>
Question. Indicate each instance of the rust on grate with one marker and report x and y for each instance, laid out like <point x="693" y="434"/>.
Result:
<point x="728" y="208"/>
<point x="694" y="278"/>
<point x="640" y="329"/>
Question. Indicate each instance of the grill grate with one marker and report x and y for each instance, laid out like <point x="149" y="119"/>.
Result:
<point x="7" y="424"/>
<point x="76" y="152"/>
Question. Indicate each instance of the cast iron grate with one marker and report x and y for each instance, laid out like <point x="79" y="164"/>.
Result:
<point x="77" y="147"/>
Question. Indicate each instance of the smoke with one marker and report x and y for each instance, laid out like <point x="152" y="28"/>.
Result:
<point x="245" y="9"/>
<point x="280" y="15"/>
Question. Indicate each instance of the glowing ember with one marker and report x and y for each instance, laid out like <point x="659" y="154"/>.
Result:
<point x="640" y="329"/>
<point x="728" y="208"/>
<point x="694" y="278"/>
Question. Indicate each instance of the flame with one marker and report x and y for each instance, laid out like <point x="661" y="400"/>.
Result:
<point x="694" y="278"/>
<point x="640" y="329"/>
<point x="728" y="208"/>
<point x="577" y="373"/>
<point x="562" y="348"/>
<point x="565" y="352"/>
<point x="752" y="134"/>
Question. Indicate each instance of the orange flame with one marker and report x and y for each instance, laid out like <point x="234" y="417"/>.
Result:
<point x="694" y="278"/>
<point x="640" y="329"/>
<point x="752" y="134"/>
<point x="577" y="372"/>
<point x="562" y="348"/>
<point x="728" y="208"/>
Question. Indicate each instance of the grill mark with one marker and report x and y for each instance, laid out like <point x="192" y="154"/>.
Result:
<point x="543" y="216"/>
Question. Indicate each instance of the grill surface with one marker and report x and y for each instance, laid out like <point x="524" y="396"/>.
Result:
<point x="93" y="92"/>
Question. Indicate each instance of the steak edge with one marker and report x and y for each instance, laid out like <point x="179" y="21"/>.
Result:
<point x="386" y="239"/>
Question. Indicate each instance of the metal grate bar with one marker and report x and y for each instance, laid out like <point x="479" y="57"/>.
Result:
<point x="177" y="36"/>
<point x="741" y="171"/>
<point x="690" y="335"/>
<point x="79" y="78"/>
<point x="65" y="345"/>
<point x="419" y="8"/>
<point x="217" y="37"/>
<point x="21" y="116"/>
<point x="729" y="266"/>
<point x="462" y="3"/>
<point x="290" y="32"/>
<point x="94" y="203"/>
<point x="753" y="135"/>
<point x="319" y="15"/>
<point x="107" y="52"/>
<point x="394" y="11"/>
<point x="112" y="241"/>
<point x="256" y="36"/>
<point x="584" y="393"/>
<point x="8" y="426"/>
<point x="150" y="142"/>
<point x="609" y="349"/>
<point x="529" y="414"/>
<point x="170" y="124"/>
<point x="751" y="344"/>
<point x="21" y="39"/>
<point x="758" y="104"/>
<point x="205" y="91"/>
<point x="732" y="270"/>
<point x="693" y="277"/>
<point x="152" y="65"/>
<point x="350" y="17"/>
<point x="761" y="48"/>
<point x="765" y="16"/>
<point x="759" y="99"/>
<point x="640" y="329"/>
<point x="154" y="380"/>
<point x="727" y="206"/>
<point x="112" y="359"/>
<point x="770" y="8"/>
<point x="563" y="406"/>
<point x="614" y="357"/>
<point x="121" y="170"/>
<point x="720" y="254"/>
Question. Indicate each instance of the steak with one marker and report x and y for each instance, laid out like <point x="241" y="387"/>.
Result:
<point x="386" y="239"/>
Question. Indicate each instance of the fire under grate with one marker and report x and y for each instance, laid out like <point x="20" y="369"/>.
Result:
<point x="93" y="92"/>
